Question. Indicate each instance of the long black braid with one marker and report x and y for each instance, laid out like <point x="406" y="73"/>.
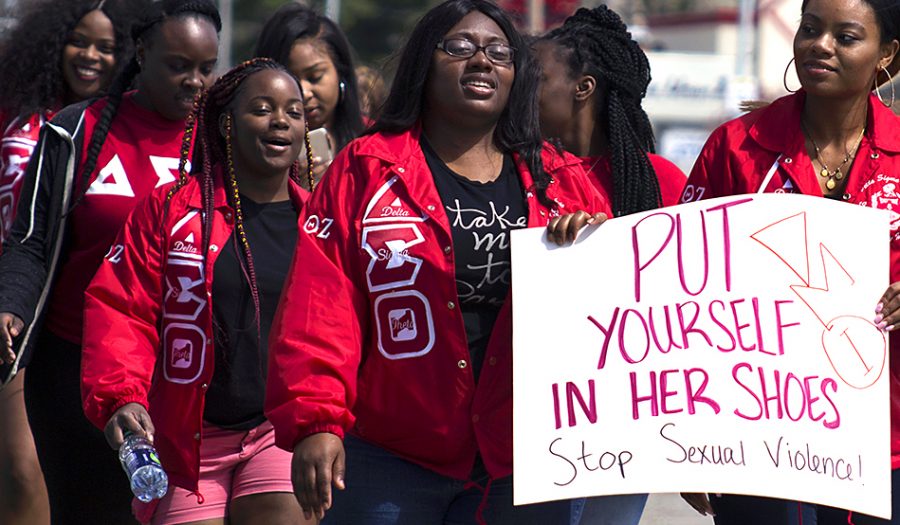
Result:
<point x="598" y="44"/>
<point x="143" y="30"/>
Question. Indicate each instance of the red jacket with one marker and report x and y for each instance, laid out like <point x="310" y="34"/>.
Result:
<point x="668" y="175"/>
<point x="740" y="154"/>
<point x="377" y="251"/>
<point x="143" y="344"/>
<point x="17" y="143"/>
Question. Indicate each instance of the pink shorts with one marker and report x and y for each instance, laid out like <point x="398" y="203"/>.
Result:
<point x="233" y="463"/>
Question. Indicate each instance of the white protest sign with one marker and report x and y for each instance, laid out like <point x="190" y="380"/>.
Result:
<point x="720" y="346"/>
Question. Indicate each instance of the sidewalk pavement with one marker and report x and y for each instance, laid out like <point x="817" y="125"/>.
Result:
<point x="669" y="509"/>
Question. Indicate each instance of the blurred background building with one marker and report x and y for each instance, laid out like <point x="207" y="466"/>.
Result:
<point x="706" y="56"/>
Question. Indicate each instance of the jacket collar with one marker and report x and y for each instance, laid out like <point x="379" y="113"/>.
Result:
<point x="394" y="148"/>
<point x="777" y="126"/>
<point x="220" y="199"/>
<point x="399" y="148"/>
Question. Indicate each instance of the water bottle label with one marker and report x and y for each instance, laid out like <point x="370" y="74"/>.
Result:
<point x="141" y="458"/>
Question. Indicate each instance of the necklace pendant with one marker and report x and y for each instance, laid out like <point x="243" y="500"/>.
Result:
<point x="838" y="175"/>
<point x="824" y="173"/>
<point x="830" y="184"/>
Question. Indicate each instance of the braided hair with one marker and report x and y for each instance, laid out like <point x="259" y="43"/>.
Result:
<point x="597" y="43"/>
<point x="518" y="129"/>
<point x="145" y="29"/>
<point x="30" y="53"/>
<point x="213" y="152"/>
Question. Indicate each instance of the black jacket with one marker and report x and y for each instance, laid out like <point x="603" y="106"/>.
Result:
<point x="32" y="251"/>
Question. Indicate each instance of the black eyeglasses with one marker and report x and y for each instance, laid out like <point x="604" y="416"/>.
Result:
<point x="462" y="48"/>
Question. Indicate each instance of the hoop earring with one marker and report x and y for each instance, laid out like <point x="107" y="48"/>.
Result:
<point x="878" y="88"/>
<point x="784" y="77"/>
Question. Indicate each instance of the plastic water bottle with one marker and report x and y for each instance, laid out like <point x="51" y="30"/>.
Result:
<point x="142" y="466"/>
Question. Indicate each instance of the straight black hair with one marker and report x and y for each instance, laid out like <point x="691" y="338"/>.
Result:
<point x="518" y="130"/>
<point x="294" y="22"/>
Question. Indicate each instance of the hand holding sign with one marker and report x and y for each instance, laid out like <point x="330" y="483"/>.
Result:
<point x="719" y="346"/>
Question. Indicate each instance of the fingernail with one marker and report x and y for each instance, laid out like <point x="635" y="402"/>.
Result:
<point x="590" y="221"/>
<point x="889" y="328"/>
<point x="878" y="307"/>
<point x="878" y="318"/>
<point x="882" y="325"/>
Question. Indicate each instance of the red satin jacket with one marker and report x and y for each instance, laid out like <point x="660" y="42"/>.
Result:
<point x="375" y="252"/>
<point x="765" y="150"/>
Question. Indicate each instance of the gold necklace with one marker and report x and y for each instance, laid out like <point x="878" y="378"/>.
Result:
<point x="837" y="174"/>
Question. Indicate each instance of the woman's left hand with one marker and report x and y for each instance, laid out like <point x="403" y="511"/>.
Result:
<point x="563" y="229"/>
<point x="887" y="311"/>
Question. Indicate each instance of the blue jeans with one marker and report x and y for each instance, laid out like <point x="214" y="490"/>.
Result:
<point x="384" y="489"/>
<point x="733" y="509"/>
<point x="623" y="509"/>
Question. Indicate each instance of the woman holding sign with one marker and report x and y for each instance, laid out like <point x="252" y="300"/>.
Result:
<point x="593" y="79"/>
<point x="836" y="138"/>
<point x="393" y="309"/>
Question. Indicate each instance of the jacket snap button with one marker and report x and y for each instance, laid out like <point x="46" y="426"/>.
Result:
<point x="492" y="361"/>
<point x="446" y="249"/>
<point x="213" y="248"/>
<point x="462" y="363"/>
<point x="788" y="160"/>
<point x="204" y="386"/>
<point x="401" y="170"/>
<point x="451" y="305"/>
<point x="846" y="196"/>
<point x="197" y="436"/>
<point x="228" y="215"/>
<point x="874" y="155"/>
<point x="529" y="195"/>
<point x="431" y="207"/>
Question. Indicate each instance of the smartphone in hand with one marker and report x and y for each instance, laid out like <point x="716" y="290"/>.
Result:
<point x="321" y="145"/>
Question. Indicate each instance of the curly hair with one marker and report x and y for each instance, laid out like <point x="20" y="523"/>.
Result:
<point x="597" y="43"/>
<point x="31" y="53"/>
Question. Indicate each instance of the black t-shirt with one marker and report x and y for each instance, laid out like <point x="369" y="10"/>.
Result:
<point x="481" y="217"/>
<point x="238" y="387"/>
